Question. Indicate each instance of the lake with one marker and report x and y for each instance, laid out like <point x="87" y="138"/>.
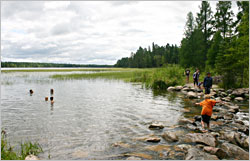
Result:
<point x="88" y="116"/>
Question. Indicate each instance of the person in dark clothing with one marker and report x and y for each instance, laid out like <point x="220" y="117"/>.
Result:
<point x="196" y="77"/>
<point x="207" y="83"/>
<point x="187" y="72"/>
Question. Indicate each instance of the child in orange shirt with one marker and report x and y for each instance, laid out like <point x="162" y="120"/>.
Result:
<point x="207" y="110"/>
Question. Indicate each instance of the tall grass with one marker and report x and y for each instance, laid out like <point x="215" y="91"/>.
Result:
<point x="161" y="78"/>
<point x="156" y="78"/>
<point x="27" y="148"/>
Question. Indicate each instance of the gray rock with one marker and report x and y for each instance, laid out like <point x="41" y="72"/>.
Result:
<point x="185" y="121"/>
<point x="185" y="89"/>
<point x="228" y="116"/>
<point x="227" y="99"/>
<point x="182" y="147"/>
<point x="197" y="154"/>
<point x="229" y="91"/>
<point x="170" y="136"/>
<point x="246" y="142"/>
<point x="223" y="94"/>
<point x="153" y="139"/>
<point x="238" y="99"/>
<point x="191" y="95"/>
<point x="191" y="127"/>
<point x="203" y="138"/>
<point x="235" y="151"/>
<point x="238" y="92"/>
<point x="31" y="157"/>
<point x="221" y="154"/>
<point x="171" y="88"/>
<point x="178" y="88"/>
<point x="133" y="158"/>
<point x="156" y="126"/>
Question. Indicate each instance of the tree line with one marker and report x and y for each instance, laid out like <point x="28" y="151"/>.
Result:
<point x="147" y="58"/>
<point x="213" y="41"/>
<point x="37" y="65"/>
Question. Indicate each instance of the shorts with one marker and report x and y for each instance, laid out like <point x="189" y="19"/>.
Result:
<point x="205" y="118"/>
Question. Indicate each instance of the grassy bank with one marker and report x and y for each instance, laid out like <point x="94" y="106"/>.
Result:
<point x="156" y="78"/>
<point x="27" y="148"/>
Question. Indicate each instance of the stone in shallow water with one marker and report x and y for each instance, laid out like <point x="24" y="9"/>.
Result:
<point x="31" y="157"/>
<point x="156" y="126"/>
<point x="197" y="154"/>
<point x="158" y="148"/>
<point x="200" y="138"/>
<point x="121" y="144"/>
<point x="170" y="136"/>
<point x="235" y="152"/>
<point x="133" y="158"/>
<point x="80" y="154"/>
<point x="141" y="155"/>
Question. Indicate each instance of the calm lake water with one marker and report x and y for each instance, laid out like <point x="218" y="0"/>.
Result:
<point x="88" y="116"/>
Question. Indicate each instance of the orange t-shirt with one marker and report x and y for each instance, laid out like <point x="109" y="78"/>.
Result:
<point x="207" y="107"/>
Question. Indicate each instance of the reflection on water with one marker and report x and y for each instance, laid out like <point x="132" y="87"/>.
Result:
<point x="88" y="116"/>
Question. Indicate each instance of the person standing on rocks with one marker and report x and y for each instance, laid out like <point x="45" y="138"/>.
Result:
<point x="207" y="83"/>
<point x="187" y="72"/>
<point x="196" y="77"/>
<point x="207" y="110"/>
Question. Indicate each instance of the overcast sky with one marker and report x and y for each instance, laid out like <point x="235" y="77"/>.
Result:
<point x="99" y="32"/>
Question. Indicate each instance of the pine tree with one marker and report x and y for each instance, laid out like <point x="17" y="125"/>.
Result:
<point x="223" y="18"/>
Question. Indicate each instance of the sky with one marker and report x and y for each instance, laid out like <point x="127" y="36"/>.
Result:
<point x="89" y="32"/>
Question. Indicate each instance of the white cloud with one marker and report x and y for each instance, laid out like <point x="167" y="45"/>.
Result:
<point x="89" y="32"/>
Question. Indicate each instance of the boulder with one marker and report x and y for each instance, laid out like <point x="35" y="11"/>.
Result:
<point x="221" y="154"/>
<point x="229" y="136"/>
<point x="171" y="88"/>
<point x="246" y="142"/>
<point x="229" y="91"/>
<point x="185" y="89"/>
<point x="235" y="152"/>
<point x="223" y="94"/>
<point x="238" y="92"/>
<point x="200" y="138"/>
<point x="121" y="144"/>
<point x="238" y="99"/>
<point x="192" y="95"/>
<point x="197" y="154"/>
<point x="178" y="88"/>
<point x="228" y="116"/>
<point x="153" y="139"/>
<point x="182" y="147"/>
<point x="197" y="118"/>
<point x="156" y="126"/>
<point x="133" y="158"/>
<point x="185" y="121"/>
<point x="227" y="99"/>
<point x="31" y="157"/>
<point x="170" y="136"/>
<point x="191" y="127"/>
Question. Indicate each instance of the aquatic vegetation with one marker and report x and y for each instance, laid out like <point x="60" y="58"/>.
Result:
<point x="156" y="78"/>
<point x="27" y="148"/>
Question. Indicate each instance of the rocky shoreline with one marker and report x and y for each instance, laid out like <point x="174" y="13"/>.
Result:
<point x="228" y="137"/>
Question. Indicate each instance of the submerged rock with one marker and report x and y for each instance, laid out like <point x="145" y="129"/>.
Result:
<point x="158" y="148"/>
<point x="31" y="157"/>
<point x="133" y="158"/>
<point x="141" y="155"/>
<point x="200" y="138"/>
<point x="235" y="151"/>
<point x="191" y="95"/>
<point x="156" y="126"/>
<point x="121" y="144"/>
<point x="153" y="139"/>
<point x="197" y="154"/>
<point x="170" y="136"/>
